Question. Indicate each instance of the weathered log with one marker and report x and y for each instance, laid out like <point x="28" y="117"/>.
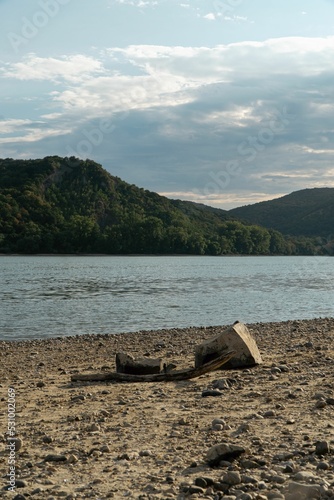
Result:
<point x="140" y="366"/>
<point x="235" y="338"/>
<point x="175" y="375"/>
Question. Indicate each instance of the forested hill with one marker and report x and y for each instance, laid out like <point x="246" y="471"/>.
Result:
<point x="65" y="205"/>
<point x="309" y="212"/>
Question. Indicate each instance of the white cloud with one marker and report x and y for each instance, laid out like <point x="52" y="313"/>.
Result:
<point x="68" y="68"/>
<point x="210" y="16"/>
<point x="135" y="3"/>
<point x="225" y="201"/>
<point x="184" y="112"/>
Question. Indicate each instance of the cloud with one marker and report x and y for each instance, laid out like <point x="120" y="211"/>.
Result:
<point x="68" y="68"/>
<point x="136" y="3"/>
<point x="241" y="121"/>
<point x="210" y="16"/>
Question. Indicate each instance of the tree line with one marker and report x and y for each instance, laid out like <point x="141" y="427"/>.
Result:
<point x="64" y="205"/>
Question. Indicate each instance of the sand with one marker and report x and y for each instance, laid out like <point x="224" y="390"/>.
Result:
<point x="150" y="440"/>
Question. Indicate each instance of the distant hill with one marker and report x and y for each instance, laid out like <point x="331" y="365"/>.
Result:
<point x="66" y="205"/>
<point x="309" y="212"/>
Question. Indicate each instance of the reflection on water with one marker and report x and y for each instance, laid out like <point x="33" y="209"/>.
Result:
<point x="55" y="296"/>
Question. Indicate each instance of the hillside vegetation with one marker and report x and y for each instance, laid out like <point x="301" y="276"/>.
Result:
<point x="309" y="212"/>
<point x="65" y="205"/>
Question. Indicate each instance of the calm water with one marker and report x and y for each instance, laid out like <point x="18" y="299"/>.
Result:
<point x="55" y="296"/>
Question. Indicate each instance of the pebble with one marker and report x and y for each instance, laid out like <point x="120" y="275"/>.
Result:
<point x="55" y="458"/>
<point x="218" y="421"/>
<point x="322" y="466"/>
<point x="18" y="443"/>
<point x="196" y="489"/>
<point x="93" y="428"/>
<point x="304" y="476"/>
<point x="320" y="404"/>
<point x="105" y="448"/>
<point x="322" y="448"/>
<point x="232" y="478"/>
<point x="145" y="453"/>
<point x="245" y="496"/>
<point x="19" y="483"/>
<point x="211" y="392"/>
<point x="40" y="383"/>
<point x="269" y="413"/>
<point x="217" y="427"/>
<point x="79" y="397"/>
<point x="201" y="482"/>
<point x="221" y="384"/>
<point x="302" y="491"/>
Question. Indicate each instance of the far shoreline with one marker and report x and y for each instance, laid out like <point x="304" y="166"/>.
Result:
<point x="150" y="255"/>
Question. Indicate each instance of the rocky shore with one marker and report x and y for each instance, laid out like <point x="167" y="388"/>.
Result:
<point x="274" y="422"/>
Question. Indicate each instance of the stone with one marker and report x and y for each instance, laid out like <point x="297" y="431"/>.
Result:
<point x="323" y="466"/>
<point x="218" y="421"/>
<point x="145" y="453"/>
<point x="19" y="483"/>
<point x="322" y="448"/>
<point x="40" y="384"/>
<point x="269" y="413"/>
<point x="245" y="496"/>
<point x="235" y="338"/>
<point x="141" y="366"/>
<point x="196" y="489"/>
<point x="296" y="490"/>
<point x="306" y="476"/>
<point x="223" y="451"/>
<point x="201" y="482"/>
<point x="211" y="393"/>
<point x="232" y="478"/>
<point x="18" y="442"/>
<point x="55" y="458"/>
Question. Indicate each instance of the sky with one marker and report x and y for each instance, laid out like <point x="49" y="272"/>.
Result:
<point x="222" y="102"/>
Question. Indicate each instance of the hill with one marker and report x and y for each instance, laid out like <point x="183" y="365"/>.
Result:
<point x="66" y="205"/>
<point x="309" y="212"/>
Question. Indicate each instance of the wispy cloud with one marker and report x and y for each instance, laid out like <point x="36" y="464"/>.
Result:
<point x="180" y="114"/>
<point x="73" y="68"/>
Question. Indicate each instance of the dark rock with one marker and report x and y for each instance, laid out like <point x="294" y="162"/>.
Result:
<point x="211" y="392"/>
<point x="323" y="466"/>
<point x="223" y="451"/>
<point x="19" y="483"/>
<point x="40" y="383"/>
<point x="195" y="489"/>
<point x="47" y="439"/>
<point x="55" y="458"/>
<point x="322" y="448"/>
<point x="201" y="482"/>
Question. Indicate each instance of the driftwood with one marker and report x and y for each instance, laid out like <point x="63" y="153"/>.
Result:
<point x="171" y="376"/>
